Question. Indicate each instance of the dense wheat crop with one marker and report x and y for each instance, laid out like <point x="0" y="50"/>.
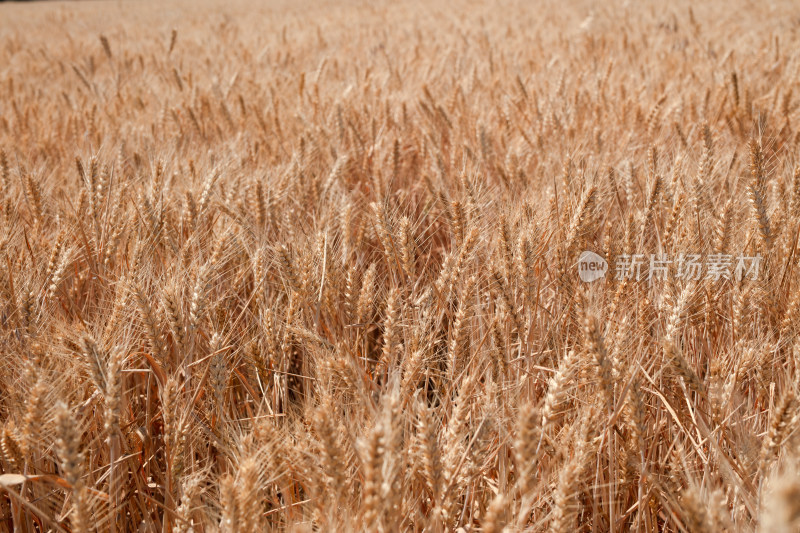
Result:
<point x="315" y="266"/>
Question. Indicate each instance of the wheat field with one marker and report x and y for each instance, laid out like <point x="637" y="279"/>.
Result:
<point x="318" y="266"/>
